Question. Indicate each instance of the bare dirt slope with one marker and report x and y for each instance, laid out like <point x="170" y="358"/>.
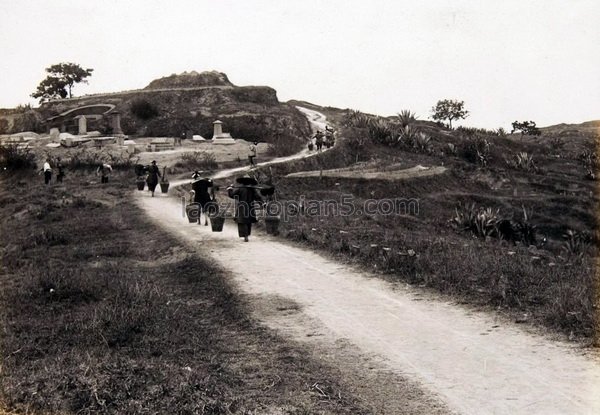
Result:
<point x="475" y="362"/>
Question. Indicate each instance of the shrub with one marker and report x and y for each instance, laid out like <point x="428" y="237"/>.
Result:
<point x="143" y="109"/>
<point x="475" y="149"/>
<point x="14" y="158"/>
<point x="199" y="160"/>
<point x="354" y="143"/>
<point x="556" y="143"/>
<point x="284" y="145"/>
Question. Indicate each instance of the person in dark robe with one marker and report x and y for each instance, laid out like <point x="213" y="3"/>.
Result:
<point x="204" y="196"/>
<point x="246" y="196"/>
<point x="61" y="171"/>
<point x="153" y="175"/>
<point x="319" y="140"/>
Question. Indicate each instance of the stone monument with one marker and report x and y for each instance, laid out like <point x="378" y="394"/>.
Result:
<point x="219" y="137"/>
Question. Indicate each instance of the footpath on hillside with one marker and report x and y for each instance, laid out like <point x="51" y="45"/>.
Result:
<point x="476" y="363"/>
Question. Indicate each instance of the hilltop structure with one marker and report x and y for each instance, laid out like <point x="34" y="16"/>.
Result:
<point x="178" y="105"/>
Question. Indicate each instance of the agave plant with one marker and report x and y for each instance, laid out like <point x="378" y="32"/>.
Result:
<point x="381" y="131"/>
<point x="422" y="142"/>
<point x="486" y="222"/>
<point x="407" y="136"/>
<point x="464" y="217"/>
<point x="483" y="222"/>
<point x="576" y="243"/>
<point x="354" y="118"/>
<point x="524" y="161"/>
<point x="406" y="117"/>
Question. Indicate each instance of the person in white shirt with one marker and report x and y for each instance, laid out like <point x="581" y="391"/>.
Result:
<point x="104" y="170"/>
<point x="47" y="171"/>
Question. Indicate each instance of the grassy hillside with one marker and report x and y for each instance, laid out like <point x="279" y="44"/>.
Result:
<point x="101" y="312"/>
<point x="511" y="224"/>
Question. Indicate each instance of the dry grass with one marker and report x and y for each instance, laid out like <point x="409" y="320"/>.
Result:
<point x="552" y="283"/>
<point x="103" y="313"/>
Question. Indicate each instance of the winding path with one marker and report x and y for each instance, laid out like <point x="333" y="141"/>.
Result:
<point x="473" y="362"/>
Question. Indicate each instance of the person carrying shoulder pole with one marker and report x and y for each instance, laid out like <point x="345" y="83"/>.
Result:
<point x="245" y="195"/>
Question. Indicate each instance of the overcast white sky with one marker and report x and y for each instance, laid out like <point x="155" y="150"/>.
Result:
<point x="507" y="60"/>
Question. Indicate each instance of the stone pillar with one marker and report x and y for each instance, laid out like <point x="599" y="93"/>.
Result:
<point x="116" y="123"/>
<point x="54" y="134"/>
<point x="82" y="124"/>
<point x="218" y="128"/>
<point x="120" y="141"/>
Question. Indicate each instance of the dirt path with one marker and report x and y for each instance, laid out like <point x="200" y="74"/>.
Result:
<point x="475" y="363"/>
<point x="410" y="173"/>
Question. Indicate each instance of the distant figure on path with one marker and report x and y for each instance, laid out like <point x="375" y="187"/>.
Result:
<point x="319" y="140"/>
<point x="104" y="170"/>
<point x="203" y="197"/>
<point x="252" y="154"/>
<point x="153" y="175"/>
<point x="245" y="195"/>
<point x="47" y="169"/>
<point x="329" y="140"/>
<point x="61" y="171"/>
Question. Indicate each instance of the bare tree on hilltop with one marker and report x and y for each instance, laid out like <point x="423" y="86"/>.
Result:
<point x="60" y="81"/>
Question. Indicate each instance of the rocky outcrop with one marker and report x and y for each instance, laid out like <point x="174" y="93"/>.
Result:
<point x="191" y="80"/>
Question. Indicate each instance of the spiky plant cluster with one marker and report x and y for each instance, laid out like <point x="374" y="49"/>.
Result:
<point x="522" y="161"/>
<point x="486" y="222"/>
<point x="406" y="117"/>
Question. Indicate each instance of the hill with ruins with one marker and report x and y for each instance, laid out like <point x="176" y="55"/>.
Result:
<point x="171" y="106"/>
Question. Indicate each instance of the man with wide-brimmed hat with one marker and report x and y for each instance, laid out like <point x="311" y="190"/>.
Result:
<point x="246" y="196"/>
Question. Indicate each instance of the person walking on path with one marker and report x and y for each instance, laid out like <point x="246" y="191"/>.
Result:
<point x="153" y="175"/>
<point x="319" y="140"/>
<point x="61" y="171"/>
<point x="203" y="197"/>
<point x="47" y="169"/>
<point x="104" y="170"/>
<point x="252" y="154"/>
<point x="246" y="196"/>
<point x="329" y="138"/>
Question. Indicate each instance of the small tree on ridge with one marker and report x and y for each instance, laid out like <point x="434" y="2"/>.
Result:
<point x="449" y="109"/>
<point x="60" y="81"/>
